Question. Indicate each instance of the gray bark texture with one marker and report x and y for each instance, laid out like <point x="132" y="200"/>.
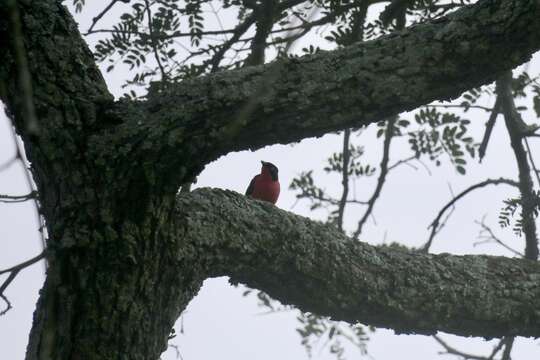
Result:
<point x="126" y="255"/>
<point x="317" y="268"/>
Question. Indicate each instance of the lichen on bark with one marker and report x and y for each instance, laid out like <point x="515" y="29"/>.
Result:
<point x="127" y="255"/>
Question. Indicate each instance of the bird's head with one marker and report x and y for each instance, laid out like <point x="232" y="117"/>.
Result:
<point x="270" y="169"/>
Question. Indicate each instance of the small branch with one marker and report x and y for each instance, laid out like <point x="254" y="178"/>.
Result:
<point x="453" y="351"/>
<point x="13" y="272"/>
<point x="174" y="35"/>
<point x="496" y="349"/>
<point x="403" y="161"/>
<point x="102" y="13"/>
<point x="382" y="176"/>
<point x="508" y="343"/>
<point x="489" y="128"/>
<point x="344" y="177"/>
<point x="18" y="198"/>
<point x="264" y="12"/>
<point x="516" y="126"/>
<point x="8" y="163"/>
<point x="436" y="222"/>
<point x="153" y="39"/>
<point x="489" y="236"/>
<point x="488" y="109"/>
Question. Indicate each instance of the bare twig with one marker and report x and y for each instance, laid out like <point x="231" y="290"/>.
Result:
<point x="450" y="106"/>
<point x="466" y="356"/>
<point x="489" y="128"/>
<point x="18" y="198"/>
<point x="13" y="272"/>
<point x="436" y="222"/>
<point x="382" y="176"/>
<point x="453" y="351"/>
<point x="403" y="161"/>
<point x="487" y="235"/>
<point x="98" y="17"/>
<point x="8" y="163"/>
<point x="508" y="343"/>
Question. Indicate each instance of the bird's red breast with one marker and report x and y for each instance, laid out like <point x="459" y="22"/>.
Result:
<point x="265" y="186"/>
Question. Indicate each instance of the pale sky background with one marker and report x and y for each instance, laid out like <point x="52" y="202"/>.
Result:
<point x="220" y="323"/>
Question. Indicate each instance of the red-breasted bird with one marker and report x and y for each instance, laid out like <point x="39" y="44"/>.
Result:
<point x="265" y="186"/>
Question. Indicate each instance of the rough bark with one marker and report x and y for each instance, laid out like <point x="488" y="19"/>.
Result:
<point x="317" y="268"/>
<point x="292" y="99"/>
<point x="107" y="294"/>
<point x="122" y="266"/>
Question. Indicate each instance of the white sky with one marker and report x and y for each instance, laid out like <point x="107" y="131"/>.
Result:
<point x="219" y="322"/>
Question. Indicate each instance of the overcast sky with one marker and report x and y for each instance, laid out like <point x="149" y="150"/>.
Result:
<point x="220" y="322"/>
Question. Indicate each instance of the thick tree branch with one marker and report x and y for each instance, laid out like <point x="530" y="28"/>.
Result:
<point x="350" y="87"/>
<point x="318" y="269"/>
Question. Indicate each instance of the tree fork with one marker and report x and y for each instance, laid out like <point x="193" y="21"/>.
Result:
<point x="122" y="267"/>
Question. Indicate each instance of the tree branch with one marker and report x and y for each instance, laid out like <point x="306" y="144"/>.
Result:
<point x="318" y="269"/>
<point x="382" y="176"/>
<point x="344" y="178"/>
<point x="489" y="128"/>
<point x="436" y="222"/>
<point x="516" y="126"/>
<point x="13" y="272"/>
<point x="487" y="235"/>
<point x="331" y="91"/>
<point x="453" y="351"/>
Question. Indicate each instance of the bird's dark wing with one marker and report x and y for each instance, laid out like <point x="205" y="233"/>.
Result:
<point x="251" y="186"/>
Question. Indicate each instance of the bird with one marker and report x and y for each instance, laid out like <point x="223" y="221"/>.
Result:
<point x="265" y="186"/>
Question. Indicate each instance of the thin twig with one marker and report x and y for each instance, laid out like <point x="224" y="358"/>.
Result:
<point x="450" y="106"/>
<point x="8" y="163"/>
<point x="17" y="198"/>
<point x="489" y="128"/>
<point x="488" y="235"/>
<point x="496" y="349"/>
<point x="98" y="17"/>
<point x="453" y="351"/>
<point x="436" y="222"/>
<point x="403" y="161"/>
<point x="13" y="272"/>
